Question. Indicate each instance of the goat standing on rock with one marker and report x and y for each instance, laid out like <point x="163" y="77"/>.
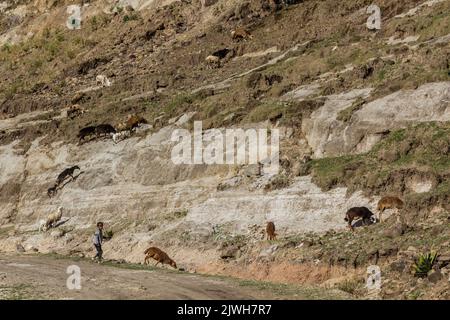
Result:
<point x="270" y="231"/>
<point x="86" y="132"/>
<point x="160" y="256"/>
<point x="389" y="203"/>
<point x="358" y="213"/>
<point x="51" y="220"/>
<point x="105" y="130"/>
<point x="66" y="173"/>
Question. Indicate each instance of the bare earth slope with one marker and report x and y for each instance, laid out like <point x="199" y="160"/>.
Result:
<point x="44" y="277"/>
<point x="362" y="114"/>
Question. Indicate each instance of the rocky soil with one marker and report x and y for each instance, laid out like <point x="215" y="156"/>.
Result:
<point x="362" y="114"/>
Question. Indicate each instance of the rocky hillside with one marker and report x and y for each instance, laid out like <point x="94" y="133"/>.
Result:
<point x="361" y="113"/>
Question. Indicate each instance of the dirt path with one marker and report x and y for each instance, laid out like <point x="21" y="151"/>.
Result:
<point x="45" y="277"/>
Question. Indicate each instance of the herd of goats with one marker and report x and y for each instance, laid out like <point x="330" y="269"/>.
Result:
<point x="125" y="129"/>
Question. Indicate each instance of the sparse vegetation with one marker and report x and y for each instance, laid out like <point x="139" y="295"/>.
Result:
<point x="350" y="286"/>
<point x="346" y="114"/>
<point x="424" y="145"/>
<point x="156" y="59"/>
<point x="108" y="234"/>
<point x="178" y="214"/>
<point x="130" y="17"/>
<point x="278" y="182"/>
<point x="424" y="264"/>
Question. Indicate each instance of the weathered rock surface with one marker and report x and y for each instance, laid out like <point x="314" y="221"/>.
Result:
<point x="330" y="137"/>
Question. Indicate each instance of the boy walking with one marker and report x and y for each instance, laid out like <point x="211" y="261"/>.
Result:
<point x="98" y="239"/>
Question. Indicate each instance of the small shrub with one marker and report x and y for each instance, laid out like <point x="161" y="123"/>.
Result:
<point x="6" y="47"/>
<point x="108" y="234"/>
<point x="177" y="214"/>
<point x="279" y="182"/>
<point x="130" y="17"/>
<point x="346" y="114"/>
<point x="349" y="286"/>
<point x="424" y="264"/>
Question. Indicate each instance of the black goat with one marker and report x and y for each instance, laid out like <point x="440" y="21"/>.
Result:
<point x="358" y="213"/>
<point x="86" y="132"/>
<point x="104" y="129"/>
<point x="66" y="173"/>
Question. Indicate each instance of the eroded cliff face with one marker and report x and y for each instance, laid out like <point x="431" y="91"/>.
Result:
<point x="134" y="185"/>
<point x="137" y="190"/>
<point x="332" y="87"/>
<point x="330" y="137"/>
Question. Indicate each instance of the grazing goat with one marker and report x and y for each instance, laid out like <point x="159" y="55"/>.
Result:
<point x="389" y="203"/>
<point x="104" y="129"/>
<point x="160" y="256"/>
<point x="66" y="173"/>
<point x="131" y="124"/>
<point x="74" y="111"/>
<point x="270" y="231"/>
<point x="134" y="121"/>
<point x="240" y="33"/>
<point x="119" y="136"/>
<point x="102" y="81"/>
<point x="86" y="132"/>
<point x="122" y="126"/>
<point x="213" y="61"/>
<point x="51" y="220"/>
<point x="222" y="53"/>
<point x="358" y="213"/>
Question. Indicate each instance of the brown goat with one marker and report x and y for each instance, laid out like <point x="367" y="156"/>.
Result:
<point x="86" y="132"/>
<point x="270" y="231"/>
<point x="389" y="203"/>
<point x="159" y="255"/>
<point x="134" y="121"/>
<point x="240" y="33"/>
<point x="356" y="213"/>
<point x="74" y="111"/>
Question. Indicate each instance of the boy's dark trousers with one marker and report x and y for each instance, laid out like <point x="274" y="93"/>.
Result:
<point x="98" y="247"/>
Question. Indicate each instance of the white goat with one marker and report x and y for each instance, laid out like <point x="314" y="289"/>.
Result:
<point x="103" y="80"/>
<point x="119" y="136"/>
<point x="53" y="218"/>
<point x="213" y="61"/>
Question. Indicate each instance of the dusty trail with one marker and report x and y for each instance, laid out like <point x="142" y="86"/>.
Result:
<point x="45" y="277"/>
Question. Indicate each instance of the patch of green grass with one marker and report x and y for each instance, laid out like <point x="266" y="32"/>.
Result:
<point x="108" y="234"/>
<point x="300" y="292"/>
<point x="6" y="47"/>
<point x="286" y="113"/>
<point x="131" y="17"/>
<point x="178" y="214"/>
<point x="15" y="292"/>
<point x="179" y="102"/>
<point x="424" y="264"/>
<point x="425" y="146"/>
<point x="414" y="295"/>
<point x="329" y="172"/>
<point x="350" y="286"/>
<point x="265" y="111"/>
<point x="346" y="114"/>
